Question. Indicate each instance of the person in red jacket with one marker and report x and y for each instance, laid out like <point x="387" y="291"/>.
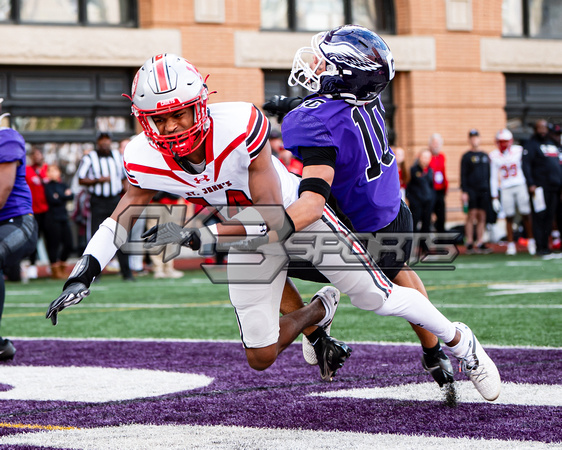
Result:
<point x="291" y="162"/>
<point x="440" y="182"/>
<point x="36" y="177"/>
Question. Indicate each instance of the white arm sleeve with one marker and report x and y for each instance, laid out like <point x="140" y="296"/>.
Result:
<point x="106" y="241"/>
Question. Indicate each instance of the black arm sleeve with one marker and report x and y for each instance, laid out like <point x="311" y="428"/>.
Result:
<point x="526" y="165"/>
<point x="318" y="156"/>
<point x="465" y="161"/>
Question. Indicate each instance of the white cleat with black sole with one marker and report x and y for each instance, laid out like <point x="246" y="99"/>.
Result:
<point x="479" y="367"/>
<point x="326" y="352"/>
<point x="330" y="298"/>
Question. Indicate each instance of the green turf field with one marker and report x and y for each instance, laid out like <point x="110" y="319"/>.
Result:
<point x="506" y="301"/>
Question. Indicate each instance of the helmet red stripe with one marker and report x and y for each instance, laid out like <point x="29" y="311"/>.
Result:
<point x="161" y="73"/>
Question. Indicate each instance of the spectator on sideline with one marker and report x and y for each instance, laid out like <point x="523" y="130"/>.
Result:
<point x="60" y="243"/>
<point x="440" y="182"/>
<point x="101" y="171"/>
<point x="18" y="228"/>
<point x="403" y="173"/>
<point x="420" y="192"/>
<point x="36" y="177"/>
<point x="541" y="164"/>
<point x="555" y="133"/>
<point x="509" y="188"/>
<point x="80" y="216"/>
<point x="475" y="187"/>
<point x="293" y="164"/>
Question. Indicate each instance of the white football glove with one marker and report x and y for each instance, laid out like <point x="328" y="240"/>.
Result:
<point x="172" y="233"/>
<point x="73" y="294"/>
<point x="496" y="205"/>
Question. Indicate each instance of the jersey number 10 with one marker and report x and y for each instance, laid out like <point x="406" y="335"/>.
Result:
<point x="373" y="138"/>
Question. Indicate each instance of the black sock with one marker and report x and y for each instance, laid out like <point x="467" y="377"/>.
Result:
<point x="316" y="334"/>
<point x="433" y="351"/>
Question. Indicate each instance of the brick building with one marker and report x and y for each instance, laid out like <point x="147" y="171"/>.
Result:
<point x="461" y="64"/>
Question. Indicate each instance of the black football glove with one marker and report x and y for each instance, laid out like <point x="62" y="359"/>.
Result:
<point x="279" y="105"/>
<point x="73" y="294"/>
<point x="172" y="233"/>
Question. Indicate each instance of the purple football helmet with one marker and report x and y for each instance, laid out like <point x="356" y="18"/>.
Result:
<point x="349" y="62"/>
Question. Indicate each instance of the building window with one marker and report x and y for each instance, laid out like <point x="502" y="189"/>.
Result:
<point x="51" y="105"/>
<point x="529" y="98"/>
<point x="532" y="18"/>
<point x="121" y="13"/>
<point x="319" y="15"/>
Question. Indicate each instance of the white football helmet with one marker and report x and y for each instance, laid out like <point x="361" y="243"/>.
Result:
<point x="167" y="83"/>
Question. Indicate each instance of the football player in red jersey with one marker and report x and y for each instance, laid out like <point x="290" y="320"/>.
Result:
<point x="212" y="155"/>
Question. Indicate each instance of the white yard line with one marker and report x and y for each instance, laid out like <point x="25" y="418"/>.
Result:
<point x="226" y="304"/>
<point x="384" y="343"/>
<point x="135" y="437"/>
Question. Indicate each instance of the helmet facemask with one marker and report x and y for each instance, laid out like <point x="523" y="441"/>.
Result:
<point x="309" y="65"/>
<point x="184" y="142"/>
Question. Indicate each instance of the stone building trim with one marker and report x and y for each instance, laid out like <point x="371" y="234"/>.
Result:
<point x="84" y="46"/>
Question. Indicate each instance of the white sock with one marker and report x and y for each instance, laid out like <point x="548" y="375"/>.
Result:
<point x="413" y="306"/>
<point x="464" y="346"/>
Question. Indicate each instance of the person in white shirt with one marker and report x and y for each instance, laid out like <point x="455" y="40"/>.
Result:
<point x="508" y="188"/>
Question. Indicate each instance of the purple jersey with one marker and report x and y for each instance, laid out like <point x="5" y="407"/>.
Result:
<point x="366" y="183"/>
<point x="12" y="148"/>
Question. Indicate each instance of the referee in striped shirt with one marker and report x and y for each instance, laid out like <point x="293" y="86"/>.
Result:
<point x="101" y="171"/>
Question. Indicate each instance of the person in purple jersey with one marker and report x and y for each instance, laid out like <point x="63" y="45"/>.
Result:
<point x="18" y="229"/>
<point x="340" y="135"/>
<point x="328" y="123"/>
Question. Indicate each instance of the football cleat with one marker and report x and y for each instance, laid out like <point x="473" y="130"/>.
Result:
<point x="330" y="298"/>
<point x="479" y="367"/>
<point x="511" y="249"/>
<point x="331" y="355"/>
<point x="532" y="247"/>
<point x="308" y="352"/>
<point x="7" y="350"/>
<point x="439" y="367"/>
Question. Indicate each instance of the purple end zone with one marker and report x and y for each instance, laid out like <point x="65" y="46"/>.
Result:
<point x="278" y="396"/>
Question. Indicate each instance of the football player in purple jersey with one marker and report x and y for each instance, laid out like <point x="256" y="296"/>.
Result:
<point x="339" y="133"/>
<point x="18" y="229"/>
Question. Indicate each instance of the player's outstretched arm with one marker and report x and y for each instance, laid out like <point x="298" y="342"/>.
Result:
<point x="76" y="287"/>
<point x="110" y="236"/>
